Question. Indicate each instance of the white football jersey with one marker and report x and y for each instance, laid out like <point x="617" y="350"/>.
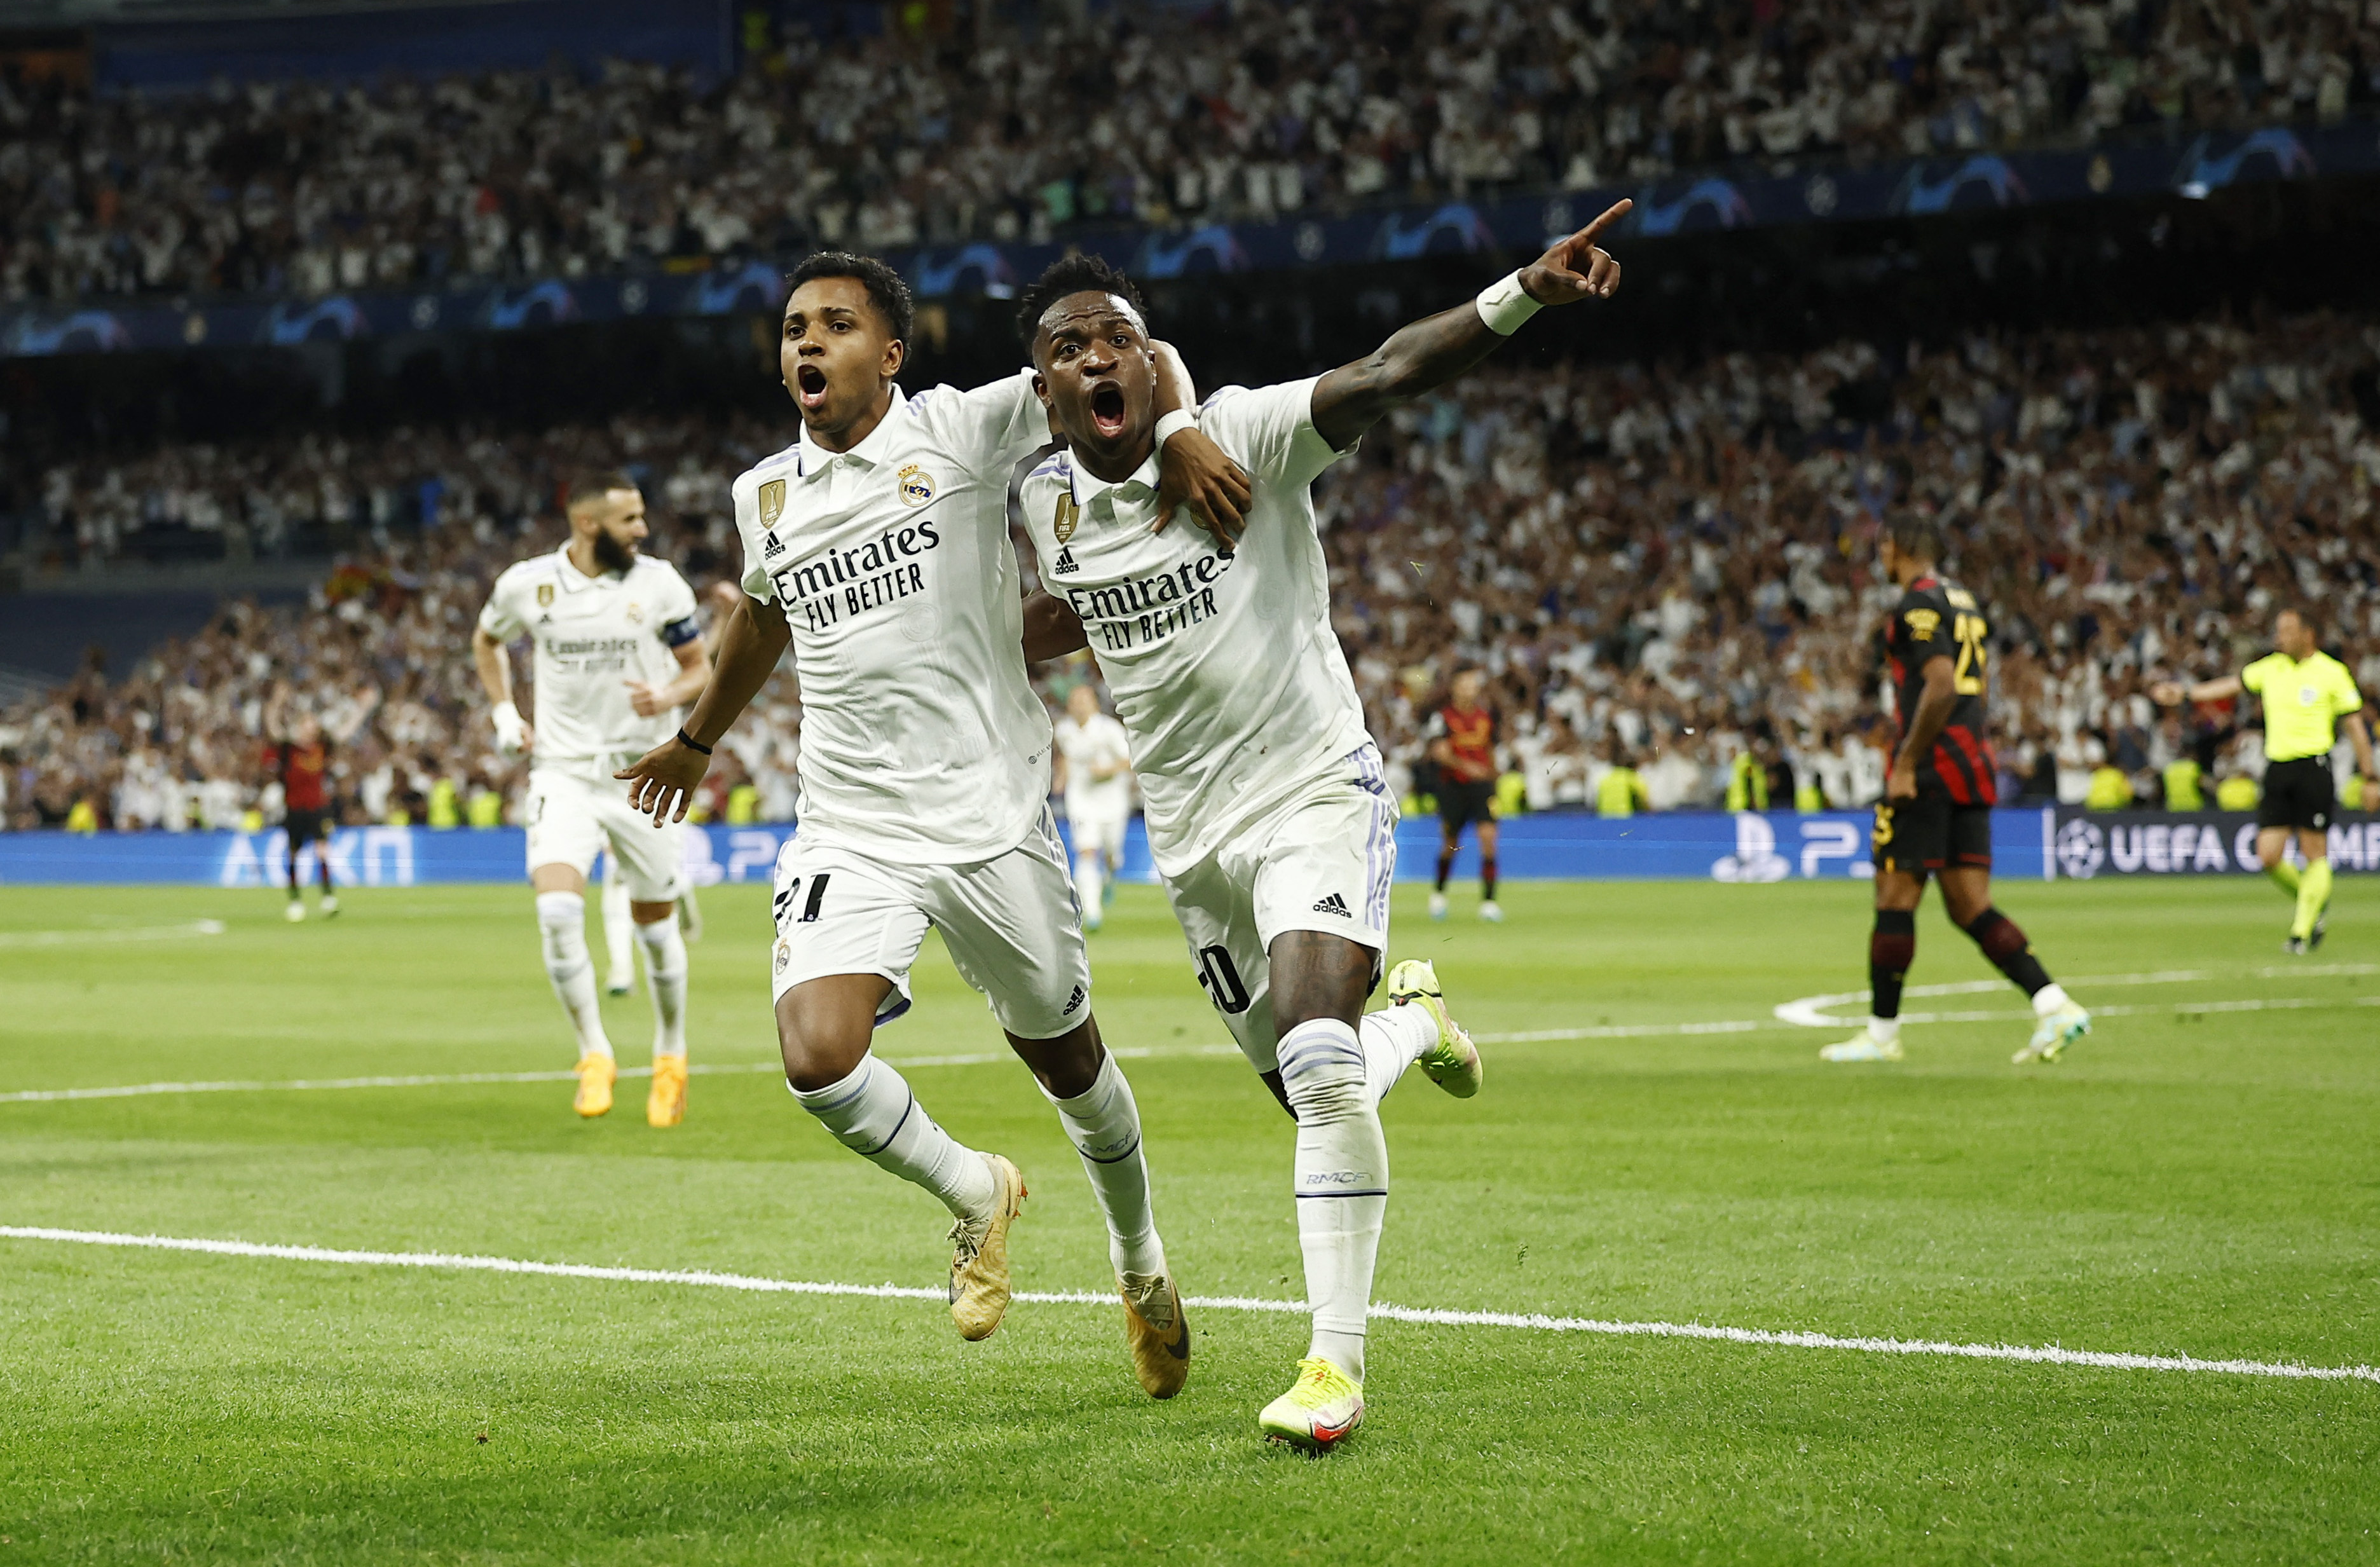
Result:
<point x="593" y="635"/>
<point x="1223" y="664"/>
<point x="921" y="739"/>
<point x="1102" y="742"/>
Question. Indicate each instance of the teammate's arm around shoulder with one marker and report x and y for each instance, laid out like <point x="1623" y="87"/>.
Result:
<point x="1191" y="470"/>
<point x="1053" y="629"/>
<point x="1434" y="350"/>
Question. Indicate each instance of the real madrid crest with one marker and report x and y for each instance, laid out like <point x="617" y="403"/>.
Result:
<point x="636" y="614"/>
<point x="544" y="594"/>
<point x="916" y="486"/>
<point x="772" y="502"/>
<point x="1069" y="517"/>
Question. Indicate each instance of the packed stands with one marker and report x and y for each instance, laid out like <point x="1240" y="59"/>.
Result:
<point x="1666" y="563"/>
<point x="1137" y="115"/>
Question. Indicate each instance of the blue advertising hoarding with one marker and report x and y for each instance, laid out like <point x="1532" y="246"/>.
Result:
<point x="2050" y="844"/>
<point x="1769" y="847"/>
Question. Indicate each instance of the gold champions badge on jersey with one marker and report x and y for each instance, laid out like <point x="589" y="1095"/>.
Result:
<point x="1922" y="624"/>
<point x="544" y="595"/>
<point x="1069" y="515"/>
<point x="916" y="486"/>
<point x="772" y="502"/>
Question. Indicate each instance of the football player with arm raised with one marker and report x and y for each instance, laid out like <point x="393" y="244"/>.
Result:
<point x="1269" y="815"/>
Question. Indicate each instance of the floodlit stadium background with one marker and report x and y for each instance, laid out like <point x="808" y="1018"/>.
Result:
<point x="308" y="310"/>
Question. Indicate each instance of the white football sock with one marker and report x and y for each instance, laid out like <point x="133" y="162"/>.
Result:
<point x="562" y="921"/>
<point x="619" y="946"/>
<point x="1394" y="1039"/>
<point x="1090" y="872"/>
<point x="1341" y="1183"/>
<point x="665" y="973"/>
<point x="2049" y="1000"/>
<point x="874" y="1114"/>
<point x="1104" y="1125"/>
<point x="1884" y="1031"/>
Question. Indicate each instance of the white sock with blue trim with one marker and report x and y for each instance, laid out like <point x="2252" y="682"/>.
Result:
<point x="1394" y="1039"/>
<point x="562" y="930"/>
<point x="1103" y="1122"/>
<point x="874" y="1114"/>
<point x="1342" y="1183"/>
<point x="665" y="973"/>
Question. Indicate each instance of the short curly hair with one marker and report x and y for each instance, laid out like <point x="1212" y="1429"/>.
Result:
<point x="1076" y="273"/>
<point x="1919" y="538"/>
<point x="887" y="290"/>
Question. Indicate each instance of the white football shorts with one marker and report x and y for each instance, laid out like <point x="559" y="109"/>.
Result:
<point x="573" y="812"/>
<point x="1012" y="925"/>
<point x="1320" y="861"/>
<point x="1098" y="831"/>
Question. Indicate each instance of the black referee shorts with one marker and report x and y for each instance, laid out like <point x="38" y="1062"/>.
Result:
<point x="2299" y="793"/>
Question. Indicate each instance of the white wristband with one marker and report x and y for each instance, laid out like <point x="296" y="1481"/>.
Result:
<point x="1504" y="305"/>
<point x="1172" y="424"/>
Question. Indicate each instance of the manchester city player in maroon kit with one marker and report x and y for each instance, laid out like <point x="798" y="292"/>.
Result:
<point x="300" y="758"/>
<point x="1936" y="817"/>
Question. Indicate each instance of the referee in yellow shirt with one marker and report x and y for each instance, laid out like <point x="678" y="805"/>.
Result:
<point x="2308" y="697"/>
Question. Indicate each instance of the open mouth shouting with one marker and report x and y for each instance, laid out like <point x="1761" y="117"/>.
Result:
<point x="809" y="388"/>
<point x="1107" y="409"/>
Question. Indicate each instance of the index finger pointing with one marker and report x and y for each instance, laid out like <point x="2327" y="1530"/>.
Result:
<point x="1610" y="214"/>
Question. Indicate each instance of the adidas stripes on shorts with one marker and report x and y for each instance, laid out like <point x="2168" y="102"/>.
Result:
<point x="1322" y="860"/>
<point x="1011" y="924"/>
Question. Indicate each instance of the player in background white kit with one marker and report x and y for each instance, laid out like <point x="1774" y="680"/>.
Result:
<point x="1095" y="777"/>
<point x="617" y="653"/>
<point x="877" y="547"/>
<point x="1267" y="815"/>
<point x="619" y="943"/>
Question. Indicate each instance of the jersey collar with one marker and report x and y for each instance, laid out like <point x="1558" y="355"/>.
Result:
<point x="810" y="459"/>
<point x="1088" y="487"/>
<point x="577" y="581"/>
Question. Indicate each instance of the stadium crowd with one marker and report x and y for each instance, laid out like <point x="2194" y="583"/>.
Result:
<point x="1160" y="115"/>
<point x="1665" y="568"/>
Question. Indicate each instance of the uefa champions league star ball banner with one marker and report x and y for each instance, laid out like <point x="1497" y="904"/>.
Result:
<point x="1691" y="202"/>
<point x="1556" y="845"/>
<point x="2085" y="845"/>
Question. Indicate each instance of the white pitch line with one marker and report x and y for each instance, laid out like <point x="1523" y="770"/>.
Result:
<point x="2275" y="1003"/>
<point x="1808" y="1012"/>
<point x="2034" y="1355"/>
<point x="1811" y="1012"/>
<point x="456" y="1079"/>
<point x="1627" y="1032"/>
<point x="133" y="933"/>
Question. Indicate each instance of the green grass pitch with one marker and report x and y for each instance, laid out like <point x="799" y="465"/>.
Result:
<point x="2197" y="1178"/>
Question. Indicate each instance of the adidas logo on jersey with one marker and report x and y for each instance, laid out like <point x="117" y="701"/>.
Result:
<point x="775" y="546"/>
<point x="1074" y="1000"/>
<point x="1065" y="563"/>
<point x="1334" y="904"/>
